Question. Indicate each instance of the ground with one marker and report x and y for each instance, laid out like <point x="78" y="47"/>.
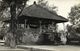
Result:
<point x="67" y="48"/>
<point x="54" y="48"/>
<point x="57" y="48"/>
<point x="70" y="47"/>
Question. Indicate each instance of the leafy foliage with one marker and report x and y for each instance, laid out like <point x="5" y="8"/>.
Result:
<point x="74" y="17"/>
<point x="17" y="1"/>
<point x="71" y="29"/>
<point x="13" y="5"/>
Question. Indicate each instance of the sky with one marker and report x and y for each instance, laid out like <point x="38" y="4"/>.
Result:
<point x="63" y="6"/>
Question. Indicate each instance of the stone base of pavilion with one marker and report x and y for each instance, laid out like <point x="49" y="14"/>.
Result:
<point x="37" y="47"/>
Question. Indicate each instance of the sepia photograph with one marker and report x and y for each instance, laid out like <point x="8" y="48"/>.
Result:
<point x="39" y="25"/>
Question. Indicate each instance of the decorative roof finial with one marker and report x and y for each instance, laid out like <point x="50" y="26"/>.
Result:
<point x="34" y="2"/>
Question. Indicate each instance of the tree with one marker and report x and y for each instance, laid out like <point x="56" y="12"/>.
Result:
<point x="74" y="17"/>
<point x="13" y="4"/>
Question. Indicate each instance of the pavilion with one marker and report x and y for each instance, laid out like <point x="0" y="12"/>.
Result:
<point x="36" y="20"/>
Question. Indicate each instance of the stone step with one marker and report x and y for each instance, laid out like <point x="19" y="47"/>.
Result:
<point x="36" y="48"/>
<point x="2" y="42"/>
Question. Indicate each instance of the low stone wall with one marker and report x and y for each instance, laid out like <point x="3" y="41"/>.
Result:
<point x="31" y="36"/>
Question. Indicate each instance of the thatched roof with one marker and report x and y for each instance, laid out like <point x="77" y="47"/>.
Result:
<point x="36" y="11"/>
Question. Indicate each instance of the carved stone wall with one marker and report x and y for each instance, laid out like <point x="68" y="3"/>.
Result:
<point x="31" y="36"/>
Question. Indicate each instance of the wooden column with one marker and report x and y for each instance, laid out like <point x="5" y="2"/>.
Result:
<point x="55" y="27"/>
<point x="17" y="24"/>
<point x="40" y="27"/>
<point x="25" y="24"/>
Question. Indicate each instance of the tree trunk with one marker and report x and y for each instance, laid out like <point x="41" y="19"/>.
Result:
<point x="11" y="36"/>
<point x="13" y="25"/>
